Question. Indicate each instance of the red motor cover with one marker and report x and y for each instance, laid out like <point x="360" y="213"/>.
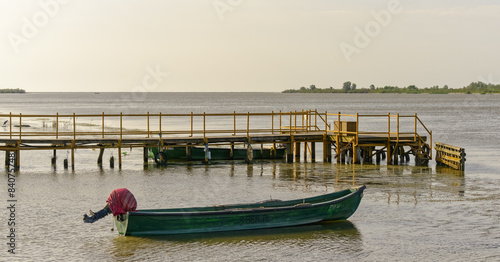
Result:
<point x="121" y="201"/>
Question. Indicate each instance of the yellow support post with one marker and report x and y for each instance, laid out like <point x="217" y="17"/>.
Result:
<point x="102" y="136"/>
<point x="10" y="125"/>
<point x="20" y="125"/>
<point x="248" y="126"/>
<point x="57" y="125"/>
<point x="355" y="157"/>
<point x="119" y="155"/>
<point x="272" y="122"/>
<point x="191" y="124"/>
<point x="159" y="119"/>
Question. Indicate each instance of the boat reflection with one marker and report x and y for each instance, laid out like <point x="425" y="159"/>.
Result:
<point x="342" y="234"/>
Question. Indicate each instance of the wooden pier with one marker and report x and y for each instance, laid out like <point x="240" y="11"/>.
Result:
<point x="391" y="137"/>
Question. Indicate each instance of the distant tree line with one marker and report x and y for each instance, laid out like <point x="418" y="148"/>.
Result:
<point x="348" y="87"/>
<point x="12" y="90"/>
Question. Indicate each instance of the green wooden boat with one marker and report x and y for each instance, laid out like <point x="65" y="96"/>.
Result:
<point x="216" y="153"/>
<point x="268" y="214"/>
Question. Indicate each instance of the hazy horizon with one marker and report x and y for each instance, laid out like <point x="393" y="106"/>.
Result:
<point x="245" y="46"/>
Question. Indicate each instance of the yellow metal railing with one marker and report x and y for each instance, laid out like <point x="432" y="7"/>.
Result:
<point x="392" y="136"/>
<point x="74" y="126"/>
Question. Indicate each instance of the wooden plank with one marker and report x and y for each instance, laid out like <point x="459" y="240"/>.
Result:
<point x="451" y="156"/>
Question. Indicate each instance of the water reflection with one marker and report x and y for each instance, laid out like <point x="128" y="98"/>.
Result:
<point x="340" y="235"/>
<point x="396" y="181"/>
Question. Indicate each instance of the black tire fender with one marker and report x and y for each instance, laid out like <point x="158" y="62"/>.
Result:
<point x="161" y="158"/>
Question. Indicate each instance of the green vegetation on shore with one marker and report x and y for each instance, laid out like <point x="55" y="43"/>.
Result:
<point x="12" y="90"/>
<point x="348" y="87"/>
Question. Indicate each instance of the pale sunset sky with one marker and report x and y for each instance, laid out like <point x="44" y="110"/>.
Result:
<point x="245" y="45"/>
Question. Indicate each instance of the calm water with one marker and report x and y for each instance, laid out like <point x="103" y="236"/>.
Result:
<point x="408" y="213"/>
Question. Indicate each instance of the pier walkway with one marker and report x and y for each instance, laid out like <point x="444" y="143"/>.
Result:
<point x="351" y="138"/>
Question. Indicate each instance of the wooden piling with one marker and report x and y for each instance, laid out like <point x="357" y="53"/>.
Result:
<point x="327" y="150"/>
<point x="396" y="152"/>
<point x="207" y="154"/>
<point x="367" y="154"/>
<point x="53" y="160"/>
<point x="313" y="152"/>
<point x="402" y="158"/>
<point x="272" y="153"/>
<point x="189" y="153"/>
<point x="119" y="156"/>
<point x="231" y="151"/>
<point x="355" y="157"/>
<point x="305" y="152"/>
<point x="73" y="157"/>
<point x="249" y="154"/>
<point x="7" y="159"/>
<point x="99" y="159"/>
<point x="289" y="151"/>
<point x="145" y="155"/>
<point x="343" y="156"/>
<point x="389" y="152"/>
<point x="297" y="151"/>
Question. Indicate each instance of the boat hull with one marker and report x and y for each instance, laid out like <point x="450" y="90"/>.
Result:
<point x="219" y="153"/>
<point x="241" y="217"/>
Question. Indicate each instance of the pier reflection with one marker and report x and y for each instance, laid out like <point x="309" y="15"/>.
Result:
<point x="411" y="181"/>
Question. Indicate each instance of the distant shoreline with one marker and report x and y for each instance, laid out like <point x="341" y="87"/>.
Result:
<point x="12" y="91"/>
<point x="350" y="88"/>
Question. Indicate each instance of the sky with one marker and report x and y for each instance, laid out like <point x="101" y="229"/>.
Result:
<point x="245" y="45"/>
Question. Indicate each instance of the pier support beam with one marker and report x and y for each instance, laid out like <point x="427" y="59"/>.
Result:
<point x="343" y="156"/>
<point x="249" y="154"/>
<point x="15" y="160"/>
<point x="99" y="159"/>
<point x="73" y="157"/>
<point x="355" y="154"/>
<point x="389" y="152"/>
<point x="231" y="151"/>
<point x="18" y="160"/>
<point x="145" y="156"/>
<point x="207" y="154"/>
<point x="54" y="157"/>
<point x="7" y="159"/>
<point x="290" y="151"/>
<point x="297" y="151"/>
<point x="402" y="158"/>
<point x="313" y="152"/>
<point x="367" y="155"/>
<point x="189" y="152"/>
<point x="305" y="152"/>
<point x="327" y="150"/>
<point x="272" y="153"/>
<point x="396" y="155"/>
<point x="119" y="156"/>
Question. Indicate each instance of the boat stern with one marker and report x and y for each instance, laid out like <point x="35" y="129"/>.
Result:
<point x="121" y="226"/>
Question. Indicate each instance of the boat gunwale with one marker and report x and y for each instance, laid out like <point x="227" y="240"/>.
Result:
<point x="358" y="190"/>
